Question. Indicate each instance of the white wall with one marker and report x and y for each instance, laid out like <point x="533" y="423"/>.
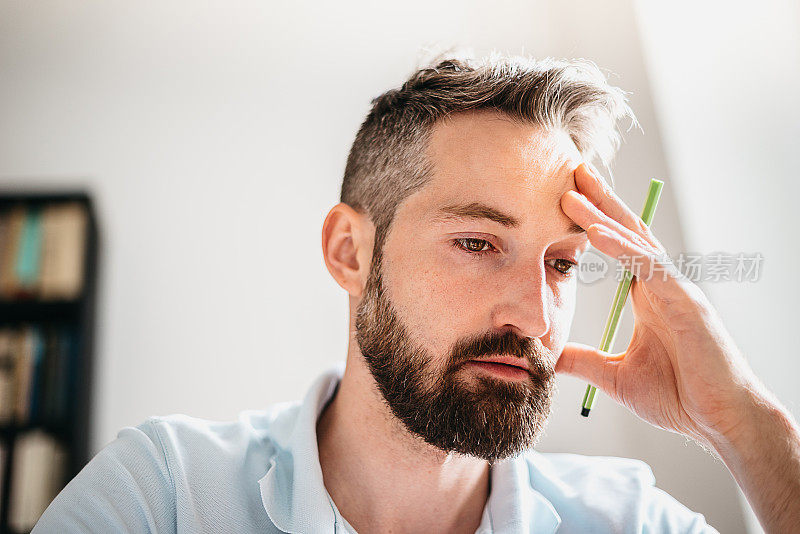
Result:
<point x="214" y="136"/>
<point x="727" y="98"/>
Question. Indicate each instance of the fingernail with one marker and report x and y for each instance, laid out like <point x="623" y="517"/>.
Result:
<point x="593" y="171"/>
<point x="597" y="177"/>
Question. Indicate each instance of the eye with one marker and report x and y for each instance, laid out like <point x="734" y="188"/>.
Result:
<point x="473" y="245"/>
<point x="562" y="266"/>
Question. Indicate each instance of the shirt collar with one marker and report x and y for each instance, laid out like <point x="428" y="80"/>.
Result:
<point x="295" y="498"/>
<point x="514" y="505"/>
<point x="292" y="490"/>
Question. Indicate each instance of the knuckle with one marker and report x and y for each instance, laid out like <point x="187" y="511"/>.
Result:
<point x="607" y="195"/>
<point x="642" y="243"/>
<point x="642" y="228"/>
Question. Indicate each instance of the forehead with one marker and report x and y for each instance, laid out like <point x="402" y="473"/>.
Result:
<point x="489" y="155"/>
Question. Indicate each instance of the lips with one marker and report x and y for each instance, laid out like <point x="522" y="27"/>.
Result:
<point x="512" y="361"/>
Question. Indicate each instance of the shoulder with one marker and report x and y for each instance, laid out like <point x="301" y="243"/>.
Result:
<point x="158" y="473"/>
<point x="187" y="443"/>
<point x="618" y="493"/>
<point x="126" y="486"/>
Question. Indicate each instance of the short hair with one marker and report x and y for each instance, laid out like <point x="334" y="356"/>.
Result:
<point x="387" y="161"/>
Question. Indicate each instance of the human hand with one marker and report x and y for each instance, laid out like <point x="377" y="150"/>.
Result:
<point x="681" y="371"/>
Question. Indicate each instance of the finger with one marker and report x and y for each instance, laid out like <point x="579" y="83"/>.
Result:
<point x="654" y="269"/>
<point x="599" y="193"/>
<point x="591" y="184"/>
<point x="590" y="364"/>
<point x="578" y="208"/>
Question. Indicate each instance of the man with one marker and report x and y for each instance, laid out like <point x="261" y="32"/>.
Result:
<point x="466" y="202"/>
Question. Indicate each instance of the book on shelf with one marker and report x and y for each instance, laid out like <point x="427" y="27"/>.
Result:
<point x="38" y="369"/>
<point x="42" y="251"/>
<point x="37" y="477"/>
<point x="3" y="453"/>
<point x="8" y="372"/>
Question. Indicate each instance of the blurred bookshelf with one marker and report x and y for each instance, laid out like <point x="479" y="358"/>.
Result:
<point x="48" y="273"/>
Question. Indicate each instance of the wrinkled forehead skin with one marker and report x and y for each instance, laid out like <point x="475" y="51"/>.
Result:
<point x="486" y="156"/>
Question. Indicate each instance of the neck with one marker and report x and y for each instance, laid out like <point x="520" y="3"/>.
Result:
<point x="384" y="479"/>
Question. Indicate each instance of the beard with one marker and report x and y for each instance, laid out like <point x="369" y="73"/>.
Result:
<point x="488" y="418"/>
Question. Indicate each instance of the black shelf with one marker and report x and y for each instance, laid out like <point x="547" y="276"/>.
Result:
<point x="22" y="311"/>
<point x="78" y="314"/>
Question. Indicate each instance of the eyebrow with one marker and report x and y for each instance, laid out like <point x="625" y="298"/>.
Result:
<point x="479" y="210"/>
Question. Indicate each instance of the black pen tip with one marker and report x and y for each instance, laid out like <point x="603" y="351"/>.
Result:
<point x="585" y="412"/>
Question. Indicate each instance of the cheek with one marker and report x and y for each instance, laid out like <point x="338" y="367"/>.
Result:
<point x="562" y="313"/>
<point x="438" y="298"/>
<point x="435" y="300"/>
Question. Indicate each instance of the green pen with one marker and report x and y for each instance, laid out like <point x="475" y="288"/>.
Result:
<point x="612" y="324"/>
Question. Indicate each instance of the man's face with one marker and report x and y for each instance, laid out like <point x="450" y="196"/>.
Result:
<point x="477" y="265"/>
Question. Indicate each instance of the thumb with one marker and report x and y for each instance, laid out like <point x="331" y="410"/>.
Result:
<point x="595" y="366"/>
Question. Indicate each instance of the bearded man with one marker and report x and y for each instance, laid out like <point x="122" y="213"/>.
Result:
<point x="467" y="199"/>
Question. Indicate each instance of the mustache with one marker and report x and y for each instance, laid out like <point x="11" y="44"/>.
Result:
<point x="506" y="343"/>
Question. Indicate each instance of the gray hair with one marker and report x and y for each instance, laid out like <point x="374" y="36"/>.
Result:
<point x="387" y="161"/>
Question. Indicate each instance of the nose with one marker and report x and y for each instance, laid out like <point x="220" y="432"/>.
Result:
<point x="524" y="302"/>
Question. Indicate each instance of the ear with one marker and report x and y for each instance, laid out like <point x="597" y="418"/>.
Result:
<point x="347" y="240"/>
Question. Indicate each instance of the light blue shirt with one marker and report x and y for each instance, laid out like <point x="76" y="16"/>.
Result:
<point x="261" y="473"/>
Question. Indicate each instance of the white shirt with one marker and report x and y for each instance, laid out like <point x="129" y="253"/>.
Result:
<point x="261" y="473"/>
